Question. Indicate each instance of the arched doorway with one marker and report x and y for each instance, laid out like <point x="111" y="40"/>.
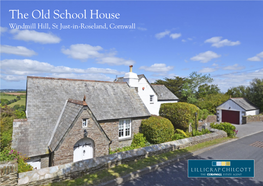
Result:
<point x="83" y="149"/>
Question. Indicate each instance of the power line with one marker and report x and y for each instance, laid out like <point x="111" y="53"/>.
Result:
<point x="236" y="72"/>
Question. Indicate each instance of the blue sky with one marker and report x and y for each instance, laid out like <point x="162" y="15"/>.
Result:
<point x="173" y="38"/>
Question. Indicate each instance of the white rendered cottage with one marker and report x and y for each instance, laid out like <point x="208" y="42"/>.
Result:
<point x="152" y="95"/>
<point x="233" y="109"/>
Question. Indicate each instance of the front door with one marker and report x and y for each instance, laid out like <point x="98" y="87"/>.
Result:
<point x="83" y="149"/>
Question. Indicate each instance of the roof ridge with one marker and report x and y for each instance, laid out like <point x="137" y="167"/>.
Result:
<point x="66" y="79"/>
<point x="78" y="102"/>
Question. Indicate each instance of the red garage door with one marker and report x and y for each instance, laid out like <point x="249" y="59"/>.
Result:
<point x="230" y="116"/>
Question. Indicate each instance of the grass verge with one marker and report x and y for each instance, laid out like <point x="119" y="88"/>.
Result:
<point x="121" y="170"/>
<point x="22" y="101"/>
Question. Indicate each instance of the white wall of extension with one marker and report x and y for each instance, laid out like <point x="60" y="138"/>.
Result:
<point x="144" y="91"/>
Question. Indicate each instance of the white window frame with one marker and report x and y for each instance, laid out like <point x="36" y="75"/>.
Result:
<point x="124" y="127"/>
<point x="86" y="121"/>
<point x="151" y="99"/>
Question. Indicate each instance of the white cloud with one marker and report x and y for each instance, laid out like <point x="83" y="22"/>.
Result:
<point x="112" y="60"/>
<point x="157" y="67"/>
<point x="215" y="65"/>
<point x="183" y="40"/>
<point x="3" y="29"/>
<point x="141" y="28"/>
<point x="227" y="81"/>
<point x="162" y="34"/>
<point x="84" y="51"/>
<point x="17" y="50"/>
<point x="175" y="35"/>
<point x="257" y="57"/>
<point x="205" y="57"/>
<point x="12" y="78"/>
<point x="207" y="70"/>
<point x="234" y="67"/>
<point x="37" y="37"/>
<point x="217" y="42"/>
<point x="14" y="69"/>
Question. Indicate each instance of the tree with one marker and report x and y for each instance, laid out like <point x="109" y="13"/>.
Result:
<point x="211" y="101"/>
<point x="255" y="92"/>
<point x="240" y="91"/>
<point x="205" y="89"/>
<point x="174" y="85"/>
<point x="192" y="83"/>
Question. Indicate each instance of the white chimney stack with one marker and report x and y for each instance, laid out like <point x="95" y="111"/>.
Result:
<point x="131" y="78"/>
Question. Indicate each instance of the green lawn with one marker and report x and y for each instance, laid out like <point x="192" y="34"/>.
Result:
<point x="121" y="170"/>
<point x="22" y="101"/>
<point x="6" y="96"/>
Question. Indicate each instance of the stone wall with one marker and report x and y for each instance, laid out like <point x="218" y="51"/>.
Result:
<point x="209" y="119"/>
<point x="80" y="168"/>
<point x="64" y="154"/>
<point x="112" y="130"/>
<point x="248" y="119"/>
<point x="9" y="175"/>
<point x="45" y="161"/>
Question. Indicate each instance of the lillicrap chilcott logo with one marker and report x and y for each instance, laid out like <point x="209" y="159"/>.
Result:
<point x="221" y="168"/>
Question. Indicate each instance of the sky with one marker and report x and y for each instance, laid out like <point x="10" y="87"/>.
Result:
<point x="99" y="40"/>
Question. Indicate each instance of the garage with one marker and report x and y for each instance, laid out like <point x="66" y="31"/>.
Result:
<point x="230" y="116"/>
<point x="234" y="109"/>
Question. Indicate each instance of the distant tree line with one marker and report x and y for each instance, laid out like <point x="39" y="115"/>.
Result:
<point x="198" y="89"/>
<point x="4" y="102"/>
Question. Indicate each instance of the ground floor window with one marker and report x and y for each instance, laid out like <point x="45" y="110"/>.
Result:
<point x="124" y="128"/>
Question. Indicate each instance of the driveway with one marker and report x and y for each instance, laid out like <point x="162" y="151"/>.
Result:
<point x="249" y="128"/>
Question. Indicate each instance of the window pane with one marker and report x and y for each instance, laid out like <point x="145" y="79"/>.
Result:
<point x="121" y="133"/>
<point x="127" y="132"/>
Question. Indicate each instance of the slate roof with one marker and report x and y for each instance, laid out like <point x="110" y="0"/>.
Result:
<point x="120" y="79"/>
<point x="164" y="93"/>
<point x="244" y="103"/>
<point x="46" y="98"/>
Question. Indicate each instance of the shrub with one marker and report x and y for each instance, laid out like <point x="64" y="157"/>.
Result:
<point x="227" y="127"/>
<point x="196" y="133"/>
<point x="182" y="132"/>
<point x="203" y="114"/>
<point x="205" y="131"/>
<point x="157" y="129"/>
<point x="177" y="136"/>
<point x="180" y="114"/>
<point x="138" y="141"/>
<point x="10" y="154"/>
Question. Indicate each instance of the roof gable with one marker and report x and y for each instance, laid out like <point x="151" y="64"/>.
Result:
<point x="69" y="115"/>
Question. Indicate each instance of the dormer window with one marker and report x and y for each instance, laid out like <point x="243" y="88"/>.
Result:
<point x="151" y="99"/>
<point x="85" y="123"/>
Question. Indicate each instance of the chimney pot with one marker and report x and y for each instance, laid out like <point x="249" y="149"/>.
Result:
<point x="131" y="68"/>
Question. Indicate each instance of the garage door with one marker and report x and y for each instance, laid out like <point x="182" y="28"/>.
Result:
<point x="230" y="116"/>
